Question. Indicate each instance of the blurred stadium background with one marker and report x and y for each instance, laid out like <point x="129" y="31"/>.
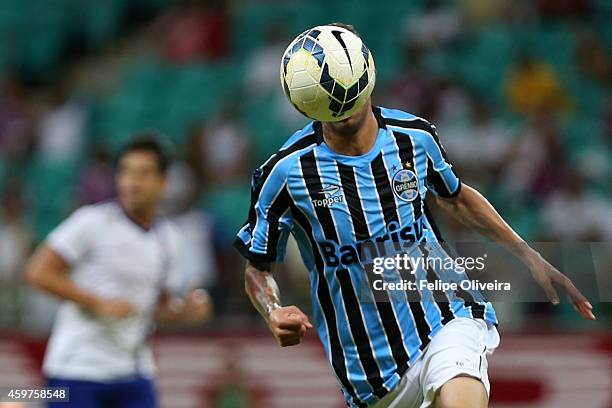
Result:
<point x="520" y="92"/>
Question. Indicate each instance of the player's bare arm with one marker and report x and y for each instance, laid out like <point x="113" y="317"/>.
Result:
<point x="288" y="324"/>
<point x="48" y="271"/>
<point x="473" y="210"/>
<point x="196" y="307"/>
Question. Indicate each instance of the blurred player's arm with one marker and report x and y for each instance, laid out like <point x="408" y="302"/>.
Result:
<point x="473" y="210"/>
<point x="172" y="309"/>
<point x="47" y="270"/>
<point x="194" y="309"/>
<point x="288" y="324"/>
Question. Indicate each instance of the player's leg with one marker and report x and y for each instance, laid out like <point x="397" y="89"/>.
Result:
<point x="81" y="394"/>
<point x="455" y="365"/>
<point x="462" y="392"/>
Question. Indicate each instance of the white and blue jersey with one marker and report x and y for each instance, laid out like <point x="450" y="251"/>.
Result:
<point x="341" y="210"/>
<point x="111" y="257"/>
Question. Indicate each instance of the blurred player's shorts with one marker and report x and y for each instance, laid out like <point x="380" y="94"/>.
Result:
<point x="133" y="392"/>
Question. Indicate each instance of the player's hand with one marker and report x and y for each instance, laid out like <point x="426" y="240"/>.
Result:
<point x="114" y="308"/>
<point x="198" y="307"/>
<point x="548" y="276"/>
<point x="288" y="324"/>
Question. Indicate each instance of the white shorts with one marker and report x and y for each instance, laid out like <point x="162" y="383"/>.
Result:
<point x="460" y="347"/>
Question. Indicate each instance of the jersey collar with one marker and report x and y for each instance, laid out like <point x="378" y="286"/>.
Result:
<point x="318" y="126"/>
<point x="355" y="161"/>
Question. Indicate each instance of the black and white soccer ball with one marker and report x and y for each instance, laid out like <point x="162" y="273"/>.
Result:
<point x="327" y="73"/>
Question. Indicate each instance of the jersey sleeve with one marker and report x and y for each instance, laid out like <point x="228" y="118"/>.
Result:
<point x="442" y="180"/>
<point x="263" y="237"/>
<point x="72" y="238"/>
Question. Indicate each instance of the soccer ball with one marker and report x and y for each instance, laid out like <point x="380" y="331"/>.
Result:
<point x="327" y="73"/>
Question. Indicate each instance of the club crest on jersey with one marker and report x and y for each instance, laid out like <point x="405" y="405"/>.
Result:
<point x="328" y="196"/>
<point x="405" y="185"/>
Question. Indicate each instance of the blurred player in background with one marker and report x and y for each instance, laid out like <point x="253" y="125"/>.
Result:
<point x="338" y="185"/>
<point x="114" y="265"/>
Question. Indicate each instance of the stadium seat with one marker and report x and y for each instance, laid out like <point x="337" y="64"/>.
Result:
<point x="50" y="183"/>
<point x="227" y="204"/>
<point x="486" y="60"/>
<point x="100" y="23"/>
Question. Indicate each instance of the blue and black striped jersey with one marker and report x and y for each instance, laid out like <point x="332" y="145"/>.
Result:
<point x="336" y="207"/>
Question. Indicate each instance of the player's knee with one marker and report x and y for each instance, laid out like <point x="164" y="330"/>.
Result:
<point x="462" y="392"/>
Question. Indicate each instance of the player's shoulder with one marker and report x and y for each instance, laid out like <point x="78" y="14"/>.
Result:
<point x="404" y="120"/>
<point x="304" y="136"/>
<point x="421" y="131"/>
<point x="396" y="114"/>
<point x="298" y="144"/>
<point x="95" y="212"/>
<point x="84" y="219"/>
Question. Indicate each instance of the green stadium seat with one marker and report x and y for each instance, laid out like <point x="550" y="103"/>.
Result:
<point x="603" y="7"/>
<point x="605" y="29"/>
<point x="228" y="204"/>
<point x="102" y="22"/>
<point x="484" y="60"/>
<point x="52" y="186"/>
<point x="552" y="42"/>
<point x="264" y="138"/>
<point x="153" y="5"/>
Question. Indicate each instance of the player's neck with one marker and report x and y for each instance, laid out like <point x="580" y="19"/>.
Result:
<point x="143" y="217"/>
<point x="354" y="144"/>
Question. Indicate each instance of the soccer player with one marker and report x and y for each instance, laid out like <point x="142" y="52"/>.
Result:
<point x="114" y="266"/>
<point x="337" y="186"/>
